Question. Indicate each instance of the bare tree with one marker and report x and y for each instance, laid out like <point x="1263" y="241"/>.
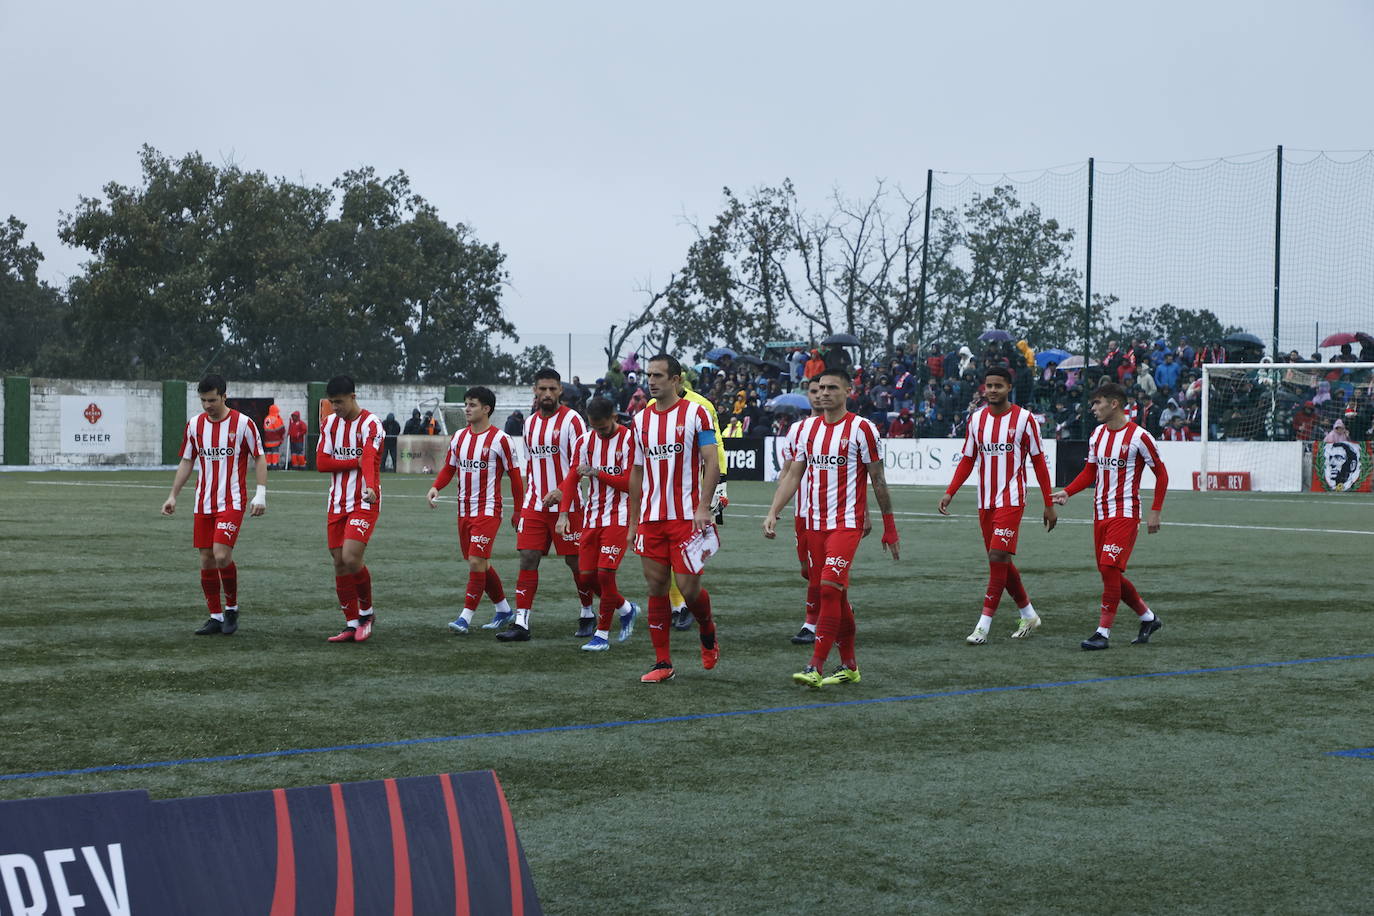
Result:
<point x="617" y="334"/>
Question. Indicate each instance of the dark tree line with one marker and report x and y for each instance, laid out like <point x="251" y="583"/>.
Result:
<point x="202" y="267"/>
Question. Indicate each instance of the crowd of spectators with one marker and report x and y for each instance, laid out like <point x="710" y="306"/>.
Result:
<point x="908" y="395"/>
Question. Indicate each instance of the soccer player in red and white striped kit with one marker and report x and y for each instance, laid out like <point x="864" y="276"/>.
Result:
<point x="219" y="443"/>
<point x="550" y="435"/>
<point x="787" y="452"/>
<point x="351" y="444"/>
<point x="1118" y="453"/>
<point x="676" y="462"/>
<point x="478" y="455"/>
<point x="1001" y="437"/>
<point x="604" y="456"/>
<point x="837" y="457"/>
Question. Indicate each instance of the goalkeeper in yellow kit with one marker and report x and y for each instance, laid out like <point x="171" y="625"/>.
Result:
<point x="682" y="618"/>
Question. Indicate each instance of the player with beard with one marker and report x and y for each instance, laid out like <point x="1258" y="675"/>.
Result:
<point x="550" y="435"/>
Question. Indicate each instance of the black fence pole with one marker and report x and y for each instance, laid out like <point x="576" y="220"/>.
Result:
<point x="1088" y="278"/>
<point x="925" y="262"/>
<point x="1278" y="249"/>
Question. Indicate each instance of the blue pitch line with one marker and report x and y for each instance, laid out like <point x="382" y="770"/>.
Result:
<point x="1353" y="752"/>
<point x="694" y="717"/>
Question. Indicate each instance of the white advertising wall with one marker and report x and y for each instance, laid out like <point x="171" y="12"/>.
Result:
<point x="921" y="462"/>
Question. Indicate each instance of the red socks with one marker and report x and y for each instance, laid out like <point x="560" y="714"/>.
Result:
<point x="1111" y="594"/>
<point x="1014" y="586"/>
<point x="495" y="590"/>
<point x="586" y="587"/>
<point x="611" y="599"/>
<point x="997" y="583"/>
<point x="1132" y="598"/>
<point x="701" y="610"/>
<point x="845" y="638"/>
<point x="362" y="582"/>
<point x="526" y="584"/>
<point x="209" y="584"/>
<point x="828" y="627"/>
<point x="477" y="582"/>
<point x="660" y="618"/>
<point x="229" y="578"/>
<point x="813" y="604"/>
<point x="347" y="591"/>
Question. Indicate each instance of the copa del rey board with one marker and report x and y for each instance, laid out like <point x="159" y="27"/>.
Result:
<point x="92" y="424"/>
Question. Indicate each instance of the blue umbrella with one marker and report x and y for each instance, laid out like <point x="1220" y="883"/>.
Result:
<point x="701" y="366"/>
<point x="993" y="334"/>
<point x="1045" y="357"/>
<point x="791" y="400"/>
<point x="721" y="353"/>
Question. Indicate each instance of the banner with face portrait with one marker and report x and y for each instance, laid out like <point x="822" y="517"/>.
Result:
<point x="1343" y="467"/>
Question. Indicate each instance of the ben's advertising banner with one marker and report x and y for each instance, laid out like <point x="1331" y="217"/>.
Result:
<point x="1340" y="467"/>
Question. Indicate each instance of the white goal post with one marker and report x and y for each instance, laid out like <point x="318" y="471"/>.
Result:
<point x="1258" y="420"/>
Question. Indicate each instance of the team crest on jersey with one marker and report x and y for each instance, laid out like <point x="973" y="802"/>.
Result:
<point x="844" y="443"/>
<point x="681" y="429"/>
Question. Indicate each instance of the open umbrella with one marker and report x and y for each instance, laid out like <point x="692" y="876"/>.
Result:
<point x="1243" y="340"/>
<point x="721" y="353"/>
<point x="993" y="334"/>
<point x="1073" y="362"/>
<point x="774" y="364"/>
<point x="1336" y="340"/>
<point x="1045" y="357"/>
<point x="840" y="340"/>
<point x="701" y="366"/>
<point x="790" y="401"/>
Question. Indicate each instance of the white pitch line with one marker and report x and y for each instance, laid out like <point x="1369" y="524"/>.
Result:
<point x="1062" y="521"/>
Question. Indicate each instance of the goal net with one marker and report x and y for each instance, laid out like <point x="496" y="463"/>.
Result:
<point x="1264" y="425"/>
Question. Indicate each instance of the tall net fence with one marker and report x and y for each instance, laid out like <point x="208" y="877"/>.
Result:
<point x="1169" y="250"/>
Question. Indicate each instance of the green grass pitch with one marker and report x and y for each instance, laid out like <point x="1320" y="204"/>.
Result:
<point x="1207" y="792"/>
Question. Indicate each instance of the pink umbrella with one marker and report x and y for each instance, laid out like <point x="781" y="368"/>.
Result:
<point x="1336" y="340"/>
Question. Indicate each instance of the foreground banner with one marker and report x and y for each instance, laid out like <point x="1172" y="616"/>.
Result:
<point x="426" y="844"/>
<point x="1343" y="467"/>
<point x="921" y="462"/>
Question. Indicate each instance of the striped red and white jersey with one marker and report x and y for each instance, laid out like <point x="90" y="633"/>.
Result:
<point x="837" y="456"/>
<point x="1120" y="456"/>
<point x="787" y="454"/>
<point x="1002" y="446"/>
<point x="668" y="446"/>
<point x="550" y="442"/>
<point x="344" y="439"/>
<point x="605" y="505"/>
<point x="220" y="449"/>
<point x="479" y="461"/>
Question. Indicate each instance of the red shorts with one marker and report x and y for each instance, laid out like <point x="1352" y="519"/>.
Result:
<point x="662" y="542"/>
<point x="831" y="554"/>
<point x="536" y="532"/>
<point x="357" y="525"/>
<point x="477" y="534"/>
<point x="803" y="555"/>
<point x="1001" y="527"/>
<point x="213" y="528"/>
<point x="602" y="548"/>
<point x="1113" y="539"/>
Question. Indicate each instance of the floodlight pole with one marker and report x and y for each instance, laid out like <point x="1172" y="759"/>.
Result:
<point x="925" y="262"/>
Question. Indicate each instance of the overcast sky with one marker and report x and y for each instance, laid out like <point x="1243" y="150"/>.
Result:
<point x="577" y="135"/>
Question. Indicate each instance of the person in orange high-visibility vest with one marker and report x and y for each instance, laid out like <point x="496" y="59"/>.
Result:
<point x="295" y="432"/>
<point x="273" y="432"/>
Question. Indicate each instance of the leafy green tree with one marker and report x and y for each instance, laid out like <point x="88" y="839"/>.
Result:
<point x="31" y="311"/>
<point x="1172" y="324"/>
<point x="206" y="266"/>
<point x="1002" y="264"/>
